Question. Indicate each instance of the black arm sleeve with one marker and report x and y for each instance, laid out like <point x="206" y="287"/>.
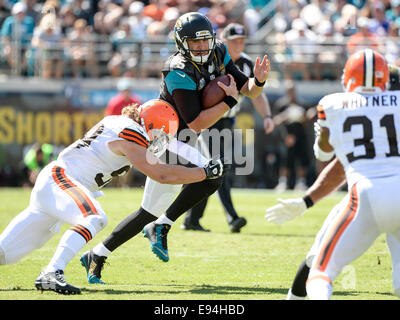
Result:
<point x="239" y="76"/>
<point x="188" y="104"/>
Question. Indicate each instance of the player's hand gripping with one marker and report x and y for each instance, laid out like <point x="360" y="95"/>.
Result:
<point x="286" y="210"/>
<point x="230" y="90"/>
<point x="216" y="168"/>
<point x="262" y="69"/>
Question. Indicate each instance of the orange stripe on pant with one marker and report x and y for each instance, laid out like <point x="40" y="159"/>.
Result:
<point x="330" y="243"/>
<point x="81" y="199"/>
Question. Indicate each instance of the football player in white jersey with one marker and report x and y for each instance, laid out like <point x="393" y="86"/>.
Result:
<point x="359" y="127"/>
<point x="66" y="189"/>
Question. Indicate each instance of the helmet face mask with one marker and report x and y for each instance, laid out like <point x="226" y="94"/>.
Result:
<point x="194" y="26"/>
<point x="160" y="121"/>
<point x="159" y="141"/>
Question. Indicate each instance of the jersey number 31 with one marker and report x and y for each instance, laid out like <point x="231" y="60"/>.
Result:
<point x="386" y="122"/>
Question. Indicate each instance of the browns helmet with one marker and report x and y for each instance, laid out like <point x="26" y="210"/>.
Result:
<point x="158" y="115"/>
<point x="366" y="71"/>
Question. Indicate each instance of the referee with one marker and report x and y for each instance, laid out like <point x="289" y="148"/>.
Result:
<point x="233" y="36"/>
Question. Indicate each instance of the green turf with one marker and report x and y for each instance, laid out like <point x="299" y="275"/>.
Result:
<point x="257" y="264"/>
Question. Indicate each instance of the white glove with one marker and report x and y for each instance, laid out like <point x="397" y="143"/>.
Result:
<point x="286" y="210"/>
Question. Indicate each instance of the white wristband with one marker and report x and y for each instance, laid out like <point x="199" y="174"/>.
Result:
<point x="322" y="155"/>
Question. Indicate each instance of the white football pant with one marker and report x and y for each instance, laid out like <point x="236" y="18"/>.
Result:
<point x="55" y="199"/>
<point x="370" y="208"/>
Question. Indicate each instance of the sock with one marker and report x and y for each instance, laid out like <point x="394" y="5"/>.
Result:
<point x="128" y="228"/>
<point x="164" y="220"/>
<point x="101" y="250"/>
<point x="70" y="244"/>
<point x="319" y="289"/>
<point x="299" y="283"/>
<point x="190" y="195"/>
<point x="282" y="180"/>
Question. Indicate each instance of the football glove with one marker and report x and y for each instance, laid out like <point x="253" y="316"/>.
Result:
<point x="286" y="210"/>
<point x="216" y="168"/>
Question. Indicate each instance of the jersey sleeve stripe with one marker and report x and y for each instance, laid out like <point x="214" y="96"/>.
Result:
<point x="321" y="112"/>
<point x="133" y="139"/>
<point x="130" y="131"/>
<point x="135" y="134"/>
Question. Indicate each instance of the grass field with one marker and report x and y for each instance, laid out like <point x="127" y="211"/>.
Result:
<point x="257" y="264"/>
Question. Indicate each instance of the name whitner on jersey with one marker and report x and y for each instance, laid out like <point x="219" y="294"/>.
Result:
<point x="384" y="100"/>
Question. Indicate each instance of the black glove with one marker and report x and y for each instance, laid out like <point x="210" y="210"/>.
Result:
<point x="216" y="168"/>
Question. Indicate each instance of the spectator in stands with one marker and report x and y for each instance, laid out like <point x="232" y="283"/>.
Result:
<point x="5" y="10"/>
<point x="345" y="20"/>
<point x="125" y="52"/>
<point x="165" y="27"/>
<point x="81" y="12"/>
<point x="379" y="25"/>
<point x="137" y="21"/>
<point x="16" y="32"/>
<point x="35" y="160"/>
<point x="108" y="16"/>
<point x="156" y="8"/>
<point x="393" y="14"/>
<point x="302" y="42"/>
<point x="67" y="18"/>
<point x="363" y="38"/>
<point x="122" y="99"/>
<point x="392" y="46"/>
<point x="48" y="42"/>
<point x="291" y="119"/>
<point x="81" y="50"/>
<point x="31" y="10"/>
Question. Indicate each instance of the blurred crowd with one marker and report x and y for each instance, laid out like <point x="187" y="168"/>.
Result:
<point x="307" y="40"/>
<point x="314" y="38"/>
<point x="101" y="37"/>
<point x="304" y="39"/>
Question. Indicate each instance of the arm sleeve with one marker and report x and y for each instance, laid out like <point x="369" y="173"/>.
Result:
<point x="187" y="152"/>
<point x="187" y="103"/>
<point x="239" y="76"/>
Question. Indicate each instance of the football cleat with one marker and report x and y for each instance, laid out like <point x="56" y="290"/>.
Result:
<point x="55" y="281"/>
<point x="194" y="227"/>
<point x="157" y="234"/>
<point x="237" y="224"/>
<point x="93" y="265"/>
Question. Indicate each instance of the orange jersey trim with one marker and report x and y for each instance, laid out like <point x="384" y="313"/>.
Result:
<point x="321" y="112"/>
<point x="134" y="136"/>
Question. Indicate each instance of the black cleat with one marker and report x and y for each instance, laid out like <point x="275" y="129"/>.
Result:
<point x="237" y="224"/>
<point x="157" y="234"/>
<point x="93" y="265"/>
<point x="194" y="227"/>
<point x="55" y="281"/>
